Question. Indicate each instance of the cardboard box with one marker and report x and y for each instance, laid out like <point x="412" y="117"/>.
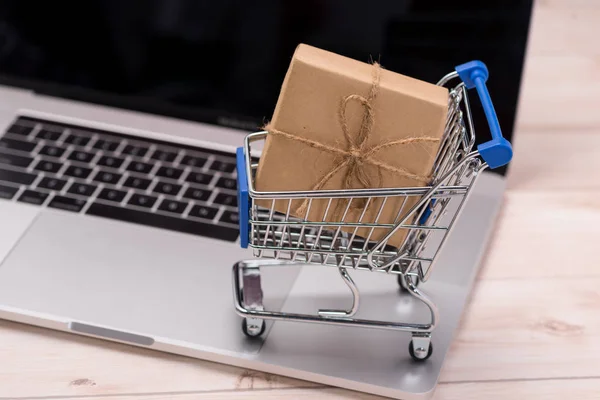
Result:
<point x="340" y="124"/>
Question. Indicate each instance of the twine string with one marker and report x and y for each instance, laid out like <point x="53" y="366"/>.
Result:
<point x="357" y="154"/>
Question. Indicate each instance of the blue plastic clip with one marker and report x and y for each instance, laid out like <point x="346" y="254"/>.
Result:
<point x="427" y="212"/>
<point x="243" y="200"/>
<point x="498" y="151"/>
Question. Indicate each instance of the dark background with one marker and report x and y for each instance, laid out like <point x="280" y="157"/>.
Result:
<point x="223" y="61"/>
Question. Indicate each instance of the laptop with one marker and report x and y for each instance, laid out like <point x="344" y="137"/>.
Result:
<point x="118" y="209"/>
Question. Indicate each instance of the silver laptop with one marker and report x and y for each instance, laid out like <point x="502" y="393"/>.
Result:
<point x="118" y="209"/>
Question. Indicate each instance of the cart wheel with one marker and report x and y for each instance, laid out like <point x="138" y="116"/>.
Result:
<point x="420" y="354"/>
<point x="416" y="281"/>
<point x="253" y="330"/>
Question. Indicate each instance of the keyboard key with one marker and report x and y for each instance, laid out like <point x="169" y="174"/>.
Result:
<point x="106" y="145"/>
<point x="142" y="200"/>
<point x="164" y="222"/>
<point x="82" y="189"/>
<point x="193" y="161"/>
<point x="223" y="166"/>
<point x="227" y="183"/>
<point x="7" y="192"/>
<point x="172" y="206"/>
<point x="112" y="195"/>
<point x="205" y="212"/>
<point x="48" y="166"/>
<point x="20" y="130"/>
<point x="226" y="199"/>
<point x="51" y="151"/>
<point x="109" y="161"/>
<point x="78" y="172"/>
<point x="137" y="183"/>
<point x="16" y="161"/>
<point x="230" y="217"/>
<point x="32" y="197"/>
<point x="52" y="183"/>
<point x="197" y="194"/>
<point x="107" y="177"/>
<point x="164" y="155"/>
<point x="140" y="167"/>
<point x="67" y="203"/>
<point x="199" y="177"/>
<point x="81" y="156"/>
<point x="167" y="188"/>
<point x="47" y="134"/>
<point x="6" y="143"/>
<point x="16" y="177"/>
<point x="169" y="172"/>
<point x="77" y="140"/>
<point x="135" y="150"/>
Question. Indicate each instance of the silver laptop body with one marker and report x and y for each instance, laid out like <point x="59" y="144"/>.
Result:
<point x="123" y="270"/>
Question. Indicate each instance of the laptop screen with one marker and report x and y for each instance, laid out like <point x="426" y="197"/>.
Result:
<point x="223" y="62"/>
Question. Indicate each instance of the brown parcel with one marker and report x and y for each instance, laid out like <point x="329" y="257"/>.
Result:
<point x="334" y="127"/>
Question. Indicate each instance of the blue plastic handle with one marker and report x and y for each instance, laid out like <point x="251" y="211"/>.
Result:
<point x="243" y="200"/>
<point x="498" y="151"/>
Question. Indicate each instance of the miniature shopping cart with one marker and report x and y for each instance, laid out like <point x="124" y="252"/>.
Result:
<point x="281" y="239"/>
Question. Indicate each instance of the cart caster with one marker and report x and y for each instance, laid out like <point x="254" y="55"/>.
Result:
<point x="423" y="349"/>
<point x="253" y="327"/>
<point x="416" y="281"/>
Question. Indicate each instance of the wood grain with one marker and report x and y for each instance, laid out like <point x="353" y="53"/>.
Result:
<point x="39" y="362"/>
<point x="559" y="92"/>
<point x="545" y="234"/>
<point x="565" y="27"/>
<point x="528" y="329"/>
<point x="558" y="162"/>
<point x="560" y="84"/>
<point x="545" y="389"/>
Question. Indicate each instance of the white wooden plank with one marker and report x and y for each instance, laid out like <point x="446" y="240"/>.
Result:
<point x="559" y="161"/>
<point x="545" y="234"/>
<point x="39" y="362"/>
<point x="565" y="27"/>
<point x="547" y="389"/>
<point x="560" y="85"/>
<point x="528" y="329"/>
<point x="559" y="91"/>
<point x="551" y="389"/>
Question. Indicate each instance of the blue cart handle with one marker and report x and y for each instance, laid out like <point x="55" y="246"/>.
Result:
<point x="498" y="151"/>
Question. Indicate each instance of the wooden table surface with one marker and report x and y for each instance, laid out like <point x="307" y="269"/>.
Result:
<point x="532" y="329"/>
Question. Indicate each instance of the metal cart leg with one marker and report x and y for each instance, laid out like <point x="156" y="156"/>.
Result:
<point x="415" y="279"/>
<point x="420" y="347"/>
<point x="251" y="296"/>
<point x="248" y="301"/>
<point x="248" y="294"/>
<point x="355" y="298"/>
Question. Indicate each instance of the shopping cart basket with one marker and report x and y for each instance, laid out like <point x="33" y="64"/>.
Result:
<point x="281" y="239"/>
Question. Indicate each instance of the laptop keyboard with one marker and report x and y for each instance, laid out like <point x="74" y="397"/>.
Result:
<point x="126" y="178"/>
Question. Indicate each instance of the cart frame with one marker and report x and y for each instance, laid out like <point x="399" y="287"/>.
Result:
<point x="283" y="240"/>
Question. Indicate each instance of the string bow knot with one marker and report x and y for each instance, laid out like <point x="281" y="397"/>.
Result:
<point x="357" y="154"/>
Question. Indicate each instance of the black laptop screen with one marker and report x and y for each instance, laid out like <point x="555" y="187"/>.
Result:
<point x="223" y="61"/>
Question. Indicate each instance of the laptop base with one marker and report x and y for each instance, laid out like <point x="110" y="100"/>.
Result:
<point x="191" y="313"/>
